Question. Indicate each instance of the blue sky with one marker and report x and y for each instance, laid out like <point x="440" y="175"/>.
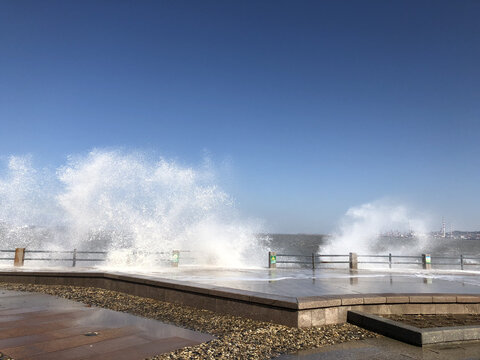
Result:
<point x="316" y="106"/>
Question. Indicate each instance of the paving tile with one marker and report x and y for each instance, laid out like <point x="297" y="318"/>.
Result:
<point x="65" y="343"/>
<point x="420" y="299"/>
<point x="444" y="299"/>
<point x="397" y="299"/>
<point x="374" y="300"/>
<point x="52" y="334"/>
<point x="91" y="350"/>
<point x="468" y="299"/>
<point x="357" y="300"/>
<point x="145" y="350"/>
<point x="318" y="302"/>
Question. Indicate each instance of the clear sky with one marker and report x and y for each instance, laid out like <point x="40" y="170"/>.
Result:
<point x="316" y="106"/>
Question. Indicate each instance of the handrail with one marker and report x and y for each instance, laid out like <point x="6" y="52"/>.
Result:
<point x="332" y="255"/>
<point x="407" y="256"/>
<point x="24" y="255"/>
<point x="60" y="252"/>
<point x="372" y="256"/>
<point x="288" y="255"/>
<point x="61" y="259"/>
<point x="426" y="260"/>
<point x="309" y="256"/>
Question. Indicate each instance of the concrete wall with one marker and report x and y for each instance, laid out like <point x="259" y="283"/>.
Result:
<point x="290" y="311"/>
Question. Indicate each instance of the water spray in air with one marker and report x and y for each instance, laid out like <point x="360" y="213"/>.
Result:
<point x="368" y="228"/>
<point x="124" y="202"/>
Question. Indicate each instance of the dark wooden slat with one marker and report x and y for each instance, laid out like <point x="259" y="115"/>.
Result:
<point x="45" y="336"/>
<point x="32" y="330"/>
<point x="21" y="340"/>
<point x="44" y="317"/>
<point x="139" y="352"/>
<point x="22" y="310"/>
<point x="87" y="351"/>
<point x="36" y="329"/>
<point x="65" y="343"/>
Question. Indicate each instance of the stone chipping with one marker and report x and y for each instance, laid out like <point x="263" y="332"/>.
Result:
<point x="433" y="321"/>
<point x="236" y="337"/>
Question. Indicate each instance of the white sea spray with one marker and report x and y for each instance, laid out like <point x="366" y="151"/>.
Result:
<point x="128" y="203"/>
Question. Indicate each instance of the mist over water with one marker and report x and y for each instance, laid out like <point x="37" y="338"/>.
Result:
<point x="383" y="227"/>
<point x="123" y="202"/>
<point x="380" y="227"/>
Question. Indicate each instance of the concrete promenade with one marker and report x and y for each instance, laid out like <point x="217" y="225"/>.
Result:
<point x="290" y="297"/>
<point x="327" y="282"/>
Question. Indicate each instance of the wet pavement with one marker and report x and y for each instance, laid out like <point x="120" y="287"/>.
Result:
<point x="300" y="283"/>
<point x="305" y="282"/>
<point x="385" y="348"/>
<point x="37" y="326"/>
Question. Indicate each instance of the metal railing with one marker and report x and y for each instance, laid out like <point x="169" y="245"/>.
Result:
<point x="462" y="260"/>
<point x="20" y="255"/>
<point x="72" y="256"/>
<point x="314" y="259"/>
<point x="425" y="260"/>
<point x="391" y="259"/>
<point x="7" y="251"/>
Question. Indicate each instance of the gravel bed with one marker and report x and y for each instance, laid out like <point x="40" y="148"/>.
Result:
<point x="430" y="321"/>
<point x="236" y="337"/>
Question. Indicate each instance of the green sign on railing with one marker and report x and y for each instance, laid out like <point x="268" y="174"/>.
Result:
<point x="273" y="259"/>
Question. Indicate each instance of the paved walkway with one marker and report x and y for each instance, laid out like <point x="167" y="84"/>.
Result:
<point x="37" y="326"/>
<point x="305" y="282"/>
<point x="327" y="282"/>
<point x="386" y="348"/>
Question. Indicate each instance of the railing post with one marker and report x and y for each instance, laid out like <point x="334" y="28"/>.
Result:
<point x="353" y="260"/>
<point x="313" y="261"/>
<point x="19" y="257"/>
<point x="272" y="259"/>
<point x="74" y="259"/>
<point x="390" y="260"/>
<point x="461" y="261"/>
<point x="175" y="258"/>
<point x="426" y="261"/>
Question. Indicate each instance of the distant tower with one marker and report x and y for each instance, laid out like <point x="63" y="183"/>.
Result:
<point x="444" y="230"/>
